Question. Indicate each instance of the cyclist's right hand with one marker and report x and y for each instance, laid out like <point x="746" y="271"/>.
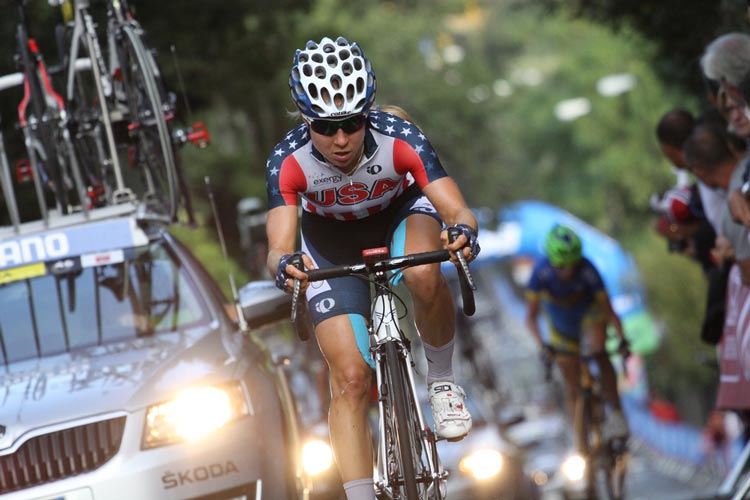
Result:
<point x="286" y="272"/>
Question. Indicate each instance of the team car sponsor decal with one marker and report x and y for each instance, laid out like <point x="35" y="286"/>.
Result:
<point x="63" y="266"/>
<point x="197" y="474"/>
<point x="71" y="241"/>
<point x="102" y="258"/>
<point x="22" y="272"/>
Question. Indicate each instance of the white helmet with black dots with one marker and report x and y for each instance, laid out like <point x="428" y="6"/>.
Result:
<point x="332" y="79"/>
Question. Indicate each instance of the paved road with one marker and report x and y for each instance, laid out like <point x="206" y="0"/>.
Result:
<point x="653" y="478"/>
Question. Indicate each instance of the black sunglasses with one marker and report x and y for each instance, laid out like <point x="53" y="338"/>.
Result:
<point x="330" y="127"/>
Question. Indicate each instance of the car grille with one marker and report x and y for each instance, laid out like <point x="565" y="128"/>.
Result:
<point x="61" y="454"/>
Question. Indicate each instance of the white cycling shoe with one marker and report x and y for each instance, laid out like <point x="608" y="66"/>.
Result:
<point x="615" y="426"/>
<point x="452" y="418"/>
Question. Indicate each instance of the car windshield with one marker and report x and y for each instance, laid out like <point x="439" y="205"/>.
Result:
<point x="142" y="292"/>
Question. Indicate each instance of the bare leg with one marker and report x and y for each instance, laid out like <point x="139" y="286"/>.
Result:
<point x="570" y="371"/>
<point x="434" y="311"/>
<point x="350" y="399"/>
<point x="597" y="336"/>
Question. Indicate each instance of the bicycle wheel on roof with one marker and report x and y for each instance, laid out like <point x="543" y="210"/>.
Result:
<point x="150" y="150"/>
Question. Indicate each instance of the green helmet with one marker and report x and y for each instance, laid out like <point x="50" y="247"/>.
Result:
<point x="563" y="246"/>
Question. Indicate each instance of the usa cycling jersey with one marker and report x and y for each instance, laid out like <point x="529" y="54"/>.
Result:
<point x="396" y="156"/>
<point x="566" y="302"/>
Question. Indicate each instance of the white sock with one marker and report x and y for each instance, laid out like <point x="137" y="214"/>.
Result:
<point x="360" y="489"/>
<point x="439" y="362"/>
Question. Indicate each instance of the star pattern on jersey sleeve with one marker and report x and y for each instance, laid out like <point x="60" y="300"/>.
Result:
<point x="409" y="133"/>
<point x="292" y="141"/>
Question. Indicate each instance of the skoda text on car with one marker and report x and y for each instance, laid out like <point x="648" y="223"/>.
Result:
<point x="124" y="375"/>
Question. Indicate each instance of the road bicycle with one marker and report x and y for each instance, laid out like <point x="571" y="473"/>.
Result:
<point x="606" y="461"/>
<point x="123" y="112"/>
<point x="43" y="119"/>
<point x="90" y="97"/>
<point x="151" y="108"/>
<point x="408" y="466"/>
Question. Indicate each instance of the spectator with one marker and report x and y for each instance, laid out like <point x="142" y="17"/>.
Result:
<point x="671" y="131"/>
<point x="709" y="156"/>
<point x="691" y="215"/>
<point x="685" y="209"/>
<point x="727" y="60"/>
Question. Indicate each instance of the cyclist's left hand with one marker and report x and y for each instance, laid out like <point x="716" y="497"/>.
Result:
<point x="466" y="242"/>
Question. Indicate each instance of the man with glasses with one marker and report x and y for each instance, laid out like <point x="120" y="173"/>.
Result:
<point x="365" y="179"/>
<point x="570" y="290"/>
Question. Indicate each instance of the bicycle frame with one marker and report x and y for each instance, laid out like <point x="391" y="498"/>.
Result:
<point x="589" y="417"/>
<point x="85" y="33"/>
<point x="46" y="120"/>
<point x="384" y="328"/>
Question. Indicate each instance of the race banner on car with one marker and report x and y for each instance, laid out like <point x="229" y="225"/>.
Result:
<point x="734" y="348"/>
<point x="68" y="242"/>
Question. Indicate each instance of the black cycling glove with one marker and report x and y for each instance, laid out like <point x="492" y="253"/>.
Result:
<point x="471" y="237"/>
<point x="281" y="275"/>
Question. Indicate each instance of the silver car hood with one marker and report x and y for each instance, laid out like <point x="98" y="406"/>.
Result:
<point x="125" y="376"/>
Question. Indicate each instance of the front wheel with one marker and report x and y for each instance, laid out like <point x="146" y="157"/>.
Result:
<point x="614" y="464"/>
<point x="401" y="474"/>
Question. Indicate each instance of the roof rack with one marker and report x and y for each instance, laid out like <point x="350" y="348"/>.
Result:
<point x="138" y="211"/>
<point x="51" y="218"/>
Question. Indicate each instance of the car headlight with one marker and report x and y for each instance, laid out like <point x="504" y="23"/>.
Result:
<point x="482" y="464"/>
<point x="193" y="413"/>
<point x="574" y="467"/>
<point x="317" y="457"/>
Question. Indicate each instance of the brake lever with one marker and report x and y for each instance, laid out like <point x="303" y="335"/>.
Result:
<point x="296" y="261"/>
<point x="464" y="276"/>
<point x="300" y="313"/>
<point x="295" y="299"/>
<point x="465" y="269"/>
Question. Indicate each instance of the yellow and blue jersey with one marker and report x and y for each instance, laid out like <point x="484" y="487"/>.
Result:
<point x="568" y="304"/>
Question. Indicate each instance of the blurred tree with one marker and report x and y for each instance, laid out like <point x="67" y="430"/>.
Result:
<point x="679" y="29"/>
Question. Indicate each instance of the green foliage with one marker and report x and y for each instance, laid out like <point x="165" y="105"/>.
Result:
<point x="679" y="30"/>
<point x="201" y="242"/>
